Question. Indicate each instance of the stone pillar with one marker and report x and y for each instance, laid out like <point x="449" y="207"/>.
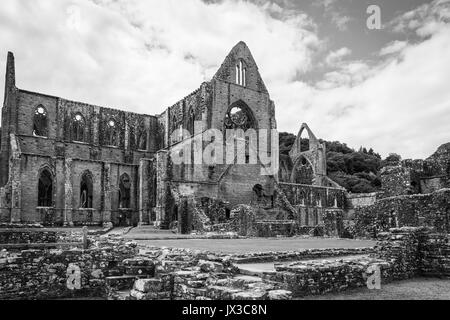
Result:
<point x="144" y="214"/>
<point x="16" y="202"/>
<point x="127" y="135"/>
<point x="95" y="126"/>
<point x="15" y="179"/>
<point x="162" y="159"/>
<point x="107" y="194"/>
<point x="68" y="189"/>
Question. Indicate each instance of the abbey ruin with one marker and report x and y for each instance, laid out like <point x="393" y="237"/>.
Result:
<point x="66" y="163"/>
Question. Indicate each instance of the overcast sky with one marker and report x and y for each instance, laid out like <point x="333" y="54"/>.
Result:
<point x="388" y="89"/>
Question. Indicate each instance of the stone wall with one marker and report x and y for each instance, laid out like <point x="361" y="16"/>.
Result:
<point x="24" y="236"/>
<point x="396" y="181"/>
<point x="42" y="274"/>
<point x="400" y="254"/>
<point x="409" y="210"/>
<point x="361" y="200"/>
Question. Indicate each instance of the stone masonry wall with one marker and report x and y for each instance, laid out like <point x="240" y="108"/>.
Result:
<point x="400" y="254"/>
<point x="41" y="274"/>
<point x="430" y="210"/>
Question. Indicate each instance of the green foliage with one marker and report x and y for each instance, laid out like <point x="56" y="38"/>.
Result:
<point x="392" y="160"/>
<point x="355" y="171"/>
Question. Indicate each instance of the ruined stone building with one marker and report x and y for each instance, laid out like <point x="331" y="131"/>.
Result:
<point x="414" y="193"/>
<point x="69" y="163"/>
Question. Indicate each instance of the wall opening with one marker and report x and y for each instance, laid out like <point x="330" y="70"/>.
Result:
<point x="45" y="189"/>
<point x="240" y="116"/>
<point x="40" y="122"/>
<point x="125" y="192"/>
<point x="304" y="141"/>
<point x="303" y="172"/>
<point x="78" y="128"/>
<point x="86" y="191"/>
<point x="142" y="137"/>
<point x="111" y="133"/>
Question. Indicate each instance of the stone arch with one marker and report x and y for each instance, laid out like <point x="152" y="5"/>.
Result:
<point x="125" y="192"/>
<point x="313" y="142"/>
<point x="305" y="143"/>
<point x="240" y="116"/>
<point x="86" y="190"/>
<point x="40" y="122"/>
<point x="45" y="187"/>
<point x="303" y="171"/>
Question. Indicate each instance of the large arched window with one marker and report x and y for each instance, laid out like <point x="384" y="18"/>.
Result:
<point x="78" y="128"/>
<point x="111" y="133"/>
<point x="239" y="116"/>
<point x="303" y="172"/>
<point x="40" y="122"/>
<point x="125" y="192"/>
<point x="86" y="191"/>
<point x="45" y="189"/>
<point x="141" y="136"/>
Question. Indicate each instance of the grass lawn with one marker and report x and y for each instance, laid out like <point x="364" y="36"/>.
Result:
<point x="238" y="246"/>
<point x="415" y="289"/>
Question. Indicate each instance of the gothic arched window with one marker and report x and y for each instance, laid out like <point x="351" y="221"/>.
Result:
<point x="241" y="73"/>
<point x="45" y="189"/>
<point x="78" y="128"/>
<point x="141" y="137"/>
<point x="111" y="133"/>
<point x="86" y="191"/>
<point x="239" y="116"/>
<point x="125" y="192"/>
<point x="40" y="122"/>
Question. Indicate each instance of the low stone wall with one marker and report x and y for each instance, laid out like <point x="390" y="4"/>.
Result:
<point x="361" y="199"/>
<point x="23" y="236"/>
<point x="400" y="254"/>
<point x="435" y="256"/>
<point x="316" y="278"/>
<point x="156" y="273"/>
<point x="309" y="254"/>
<point x="272" y="229"/>
<point x="430" y="210"/>
<point x="48" y="274"/>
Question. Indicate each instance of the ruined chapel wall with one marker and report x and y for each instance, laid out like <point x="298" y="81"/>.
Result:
<point x="414" y="210"/>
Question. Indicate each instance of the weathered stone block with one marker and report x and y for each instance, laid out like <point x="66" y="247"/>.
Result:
<point x="148" y="285"/>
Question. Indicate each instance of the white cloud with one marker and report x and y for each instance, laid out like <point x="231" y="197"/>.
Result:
<point x="400" y="105"/>
<point x="393" y="47"/>
<point x="337" y="56"/>
<point x="425" y="20"/>
<point x="145" y="55"/>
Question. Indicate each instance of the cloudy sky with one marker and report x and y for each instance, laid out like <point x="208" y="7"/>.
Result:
<point x="388" y="89"/>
